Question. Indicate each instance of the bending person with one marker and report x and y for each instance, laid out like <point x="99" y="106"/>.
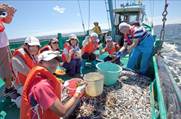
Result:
<point x="141" y="45"/>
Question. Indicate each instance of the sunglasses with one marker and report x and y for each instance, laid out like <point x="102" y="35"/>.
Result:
<point x="54" y="42"/>
<point x="73" y="39"/>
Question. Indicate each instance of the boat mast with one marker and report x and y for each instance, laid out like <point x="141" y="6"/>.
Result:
<point x="112" y="18"/>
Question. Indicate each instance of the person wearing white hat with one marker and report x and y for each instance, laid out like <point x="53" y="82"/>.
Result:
<point x="111" y="47"/>
<point x="90" y="45"/>
<point x="24" y="59"/>
<point x="97" y="29"/>
<point x="140" y="43"/>
<point x="71" y="56"/>
<point x="42" y="91"/>
<point x="52" y="45"/>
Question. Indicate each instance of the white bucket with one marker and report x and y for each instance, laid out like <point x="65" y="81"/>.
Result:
<point x="95" y="83"/>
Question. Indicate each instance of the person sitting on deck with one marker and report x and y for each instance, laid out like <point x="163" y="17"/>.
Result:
<point x="24" y="59"/>
<point x="42" y="91"/>
<point x="142" y="44"/>
<point x="52" y="45"/>
<point x="71" y="56"/>
<point x="90" y="45"/>
<point x="5" y="54"/>
<point x="111" y="48"/>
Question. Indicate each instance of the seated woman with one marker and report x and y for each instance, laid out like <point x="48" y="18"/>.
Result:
<point x="23" y="60"/>
<point x="71" y="56"/>
<point x="90" y="45"/>
<point x="111" y="48"/>
<point x="52" y="45"/>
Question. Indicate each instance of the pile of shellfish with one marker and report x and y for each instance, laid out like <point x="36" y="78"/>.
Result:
<point x="129" y="98"/>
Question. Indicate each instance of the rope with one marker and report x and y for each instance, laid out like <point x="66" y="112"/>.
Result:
<point x="108" y="20"/>
<point x="88" y="14"/>
<point x="81" y="16"/>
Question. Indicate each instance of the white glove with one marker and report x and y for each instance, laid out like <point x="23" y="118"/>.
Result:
<point x="80" y="89"/>
<point x="66" y="83"/>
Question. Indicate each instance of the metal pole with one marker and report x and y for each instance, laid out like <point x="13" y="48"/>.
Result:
<point x="112" y="18"/>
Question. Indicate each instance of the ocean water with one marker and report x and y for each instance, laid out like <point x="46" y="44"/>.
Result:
<point x="172" y="49"/>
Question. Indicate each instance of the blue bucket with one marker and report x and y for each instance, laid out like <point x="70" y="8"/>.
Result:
<point x="110" y="71"/>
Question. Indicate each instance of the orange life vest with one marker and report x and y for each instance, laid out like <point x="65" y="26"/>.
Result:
<point x="26" y="109"/>
<point x="68" y="47"/>
<point x="45" y="48"/>
<point x="90" y="47"/>
<point x="112" y="50"/>
<point x="28" y="61"/>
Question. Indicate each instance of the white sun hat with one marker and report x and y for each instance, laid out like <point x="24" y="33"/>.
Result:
<point x="49" y="55"/>
<point x="73" y="36"/>
<point x="93" y="34"/>
<point x="31" y="40"/>
<point x="108" y="38"/>
<point x="123" y="24"/>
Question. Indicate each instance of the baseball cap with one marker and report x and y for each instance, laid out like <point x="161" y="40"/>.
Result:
<point x="31" y="40"/>
<point x="123" y="24"/>
<point x="49" y="55"/>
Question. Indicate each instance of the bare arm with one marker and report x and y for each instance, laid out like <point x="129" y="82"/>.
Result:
<point x="124" y="47"/>
<point x="61" y="109"/>
<point x="102" y="51"/>
<point x="134" y="44"/>
<point x="68" y="55"/>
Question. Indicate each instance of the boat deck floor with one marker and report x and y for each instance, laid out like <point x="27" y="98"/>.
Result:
<point x="128" y="96"/>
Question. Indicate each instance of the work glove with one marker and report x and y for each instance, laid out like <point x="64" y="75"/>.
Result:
<point x="80" y="89"/>
<point x="118" y="54"/>
<point x="66" y="83"/>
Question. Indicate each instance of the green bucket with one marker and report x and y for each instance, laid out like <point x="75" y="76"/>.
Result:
<point x="110" y="71"/>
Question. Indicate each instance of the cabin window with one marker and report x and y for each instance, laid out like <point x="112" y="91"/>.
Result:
<point x="117" y="18"/>
<point x="133" y="18"/>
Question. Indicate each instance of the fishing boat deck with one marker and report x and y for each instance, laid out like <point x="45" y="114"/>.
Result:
<point x="129" y="98"/>
<point x="129" y="88"/>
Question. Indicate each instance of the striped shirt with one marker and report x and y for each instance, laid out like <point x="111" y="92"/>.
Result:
<point x="136" y="33"/>
<point x="140" y="33"/>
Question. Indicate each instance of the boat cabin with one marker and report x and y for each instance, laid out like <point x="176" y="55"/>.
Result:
<point x="129" y="13"/>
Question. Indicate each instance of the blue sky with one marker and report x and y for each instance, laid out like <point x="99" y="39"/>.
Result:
<point x="47" y="17"/>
